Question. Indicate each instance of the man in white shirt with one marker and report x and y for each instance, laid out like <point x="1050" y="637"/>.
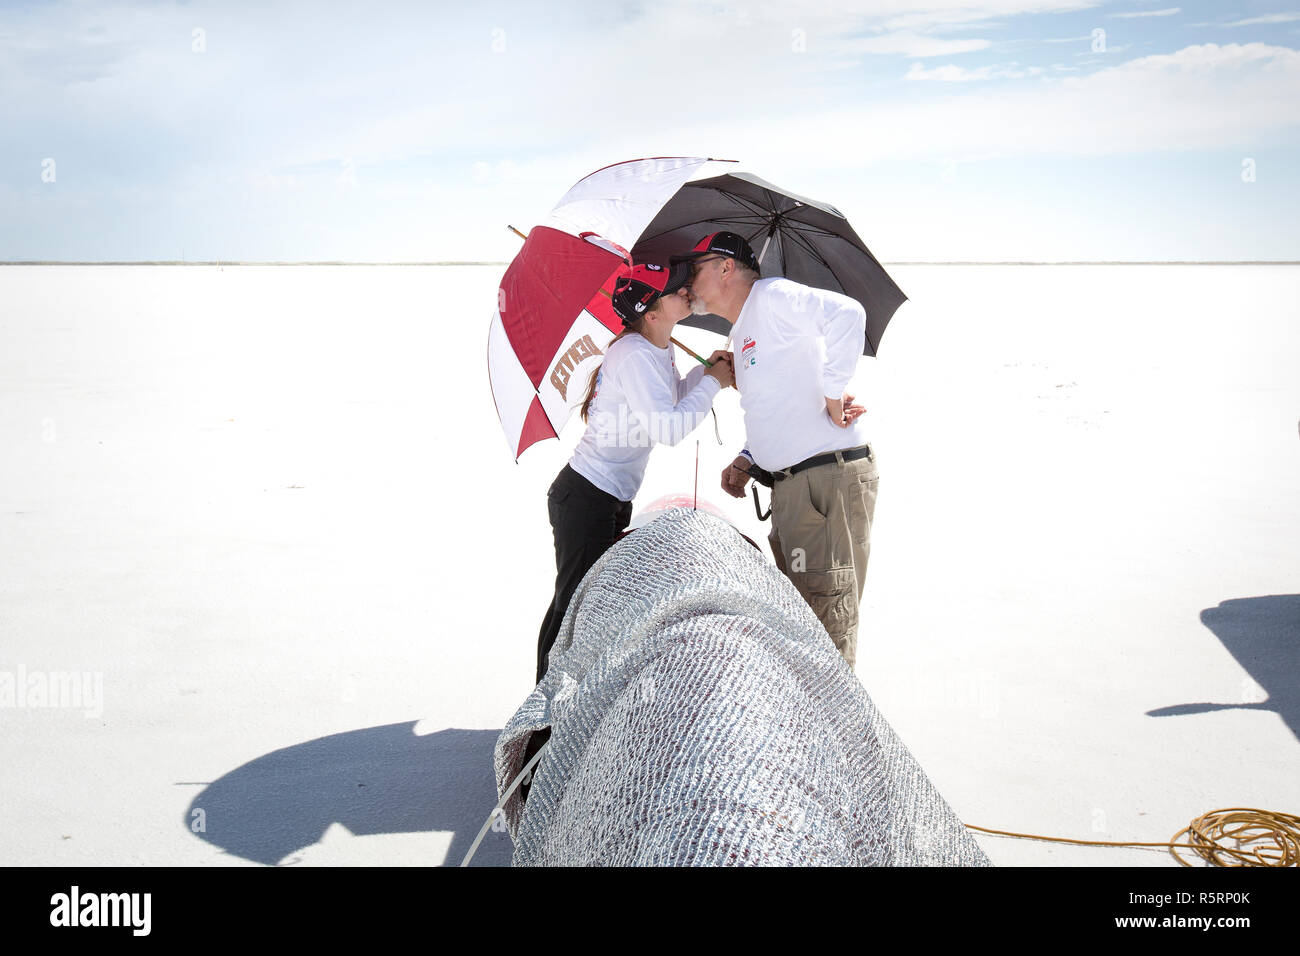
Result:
<point x="796" y="348"/>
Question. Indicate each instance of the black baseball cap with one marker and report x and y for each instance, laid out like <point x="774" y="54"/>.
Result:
<point x="637" y="291"/>
<point x="721" y="244"/>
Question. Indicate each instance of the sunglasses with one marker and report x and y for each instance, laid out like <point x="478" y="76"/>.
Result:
<point x="695" y="266"/>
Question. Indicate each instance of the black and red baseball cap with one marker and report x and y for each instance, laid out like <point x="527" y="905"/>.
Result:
<point x="726" y="244"/>
<point x="637" y="291"/>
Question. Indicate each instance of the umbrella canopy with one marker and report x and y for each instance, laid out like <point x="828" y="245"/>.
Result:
<point x="795" y="237"/>
<point x="554" y="318"/>
<point x="554" y="314"/>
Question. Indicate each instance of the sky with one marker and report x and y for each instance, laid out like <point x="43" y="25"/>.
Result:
<point x="971" y="130"/>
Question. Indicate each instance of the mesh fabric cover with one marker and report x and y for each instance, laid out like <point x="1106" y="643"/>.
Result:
<point x="701" y="715"/>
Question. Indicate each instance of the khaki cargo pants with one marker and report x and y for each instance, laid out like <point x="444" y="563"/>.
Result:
<point x="821" y="538"/>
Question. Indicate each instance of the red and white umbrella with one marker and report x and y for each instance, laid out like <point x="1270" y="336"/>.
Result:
<point x="554" y="318"/>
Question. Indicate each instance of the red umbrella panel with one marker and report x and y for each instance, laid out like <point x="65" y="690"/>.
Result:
<point x="554" y="319"/>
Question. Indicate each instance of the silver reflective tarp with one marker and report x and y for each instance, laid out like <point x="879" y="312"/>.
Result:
<point x="701" y="715"/>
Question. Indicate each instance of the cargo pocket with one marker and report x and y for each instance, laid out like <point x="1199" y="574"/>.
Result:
<point x="833" y="597"/>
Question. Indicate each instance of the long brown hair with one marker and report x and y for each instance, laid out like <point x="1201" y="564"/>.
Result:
<point x="632" y="328"/>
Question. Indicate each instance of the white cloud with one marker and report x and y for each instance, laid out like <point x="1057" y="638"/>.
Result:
<point x="1254" y="21"/>
<point x="1201" y="97"/>
<point x="1267" y="18"/>
<point x="951" y="73"/>
<point x="910" y="44"/>
<point x="1167" y="12"/>
<point x="908" y="28"/>
<point x="925" y="16"/>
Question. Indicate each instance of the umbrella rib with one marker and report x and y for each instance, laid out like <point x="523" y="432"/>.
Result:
<point x="794" y="227"/>
<point x="755" y="217"/>
<point x="727" y="221"/>
<point x="791" y="227"/>
<point x="752" y="207"/>
<point x="784" y="218"/>
<point x="759" y="214"/>
<point x="798" y="237"/>
<point x="808" y="229"/>
<point x="756" y="213"/>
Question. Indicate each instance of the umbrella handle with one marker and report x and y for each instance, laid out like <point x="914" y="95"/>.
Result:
<point x="703" y="361"/>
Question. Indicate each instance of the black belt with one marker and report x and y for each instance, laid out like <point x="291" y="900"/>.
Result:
<point x="830" y="458"/>
<point x="769" y="478"/>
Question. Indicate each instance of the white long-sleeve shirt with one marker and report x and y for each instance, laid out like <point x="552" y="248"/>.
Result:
<point x="795" y="346"/>
<point x="640" y="402"/>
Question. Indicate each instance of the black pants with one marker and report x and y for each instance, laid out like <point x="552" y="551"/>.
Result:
<point x="585" y="521"/>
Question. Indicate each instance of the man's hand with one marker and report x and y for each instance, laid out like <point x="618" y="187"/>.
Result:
<point x="843" y="411"/>
<point x="722" y="367"/>
<point x="734" y="477"/>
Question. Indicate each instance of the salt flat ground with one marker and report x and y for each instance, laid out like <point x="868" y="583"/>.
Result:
<point x="270" y="513"/>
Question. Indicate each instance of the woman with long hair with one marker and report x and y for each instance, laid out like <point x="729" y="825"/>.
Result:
<point x="636" y="400"/>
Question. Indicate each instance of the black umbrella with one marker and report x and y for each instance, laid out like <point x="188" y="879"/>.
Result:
<point x="802" y="239"/>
